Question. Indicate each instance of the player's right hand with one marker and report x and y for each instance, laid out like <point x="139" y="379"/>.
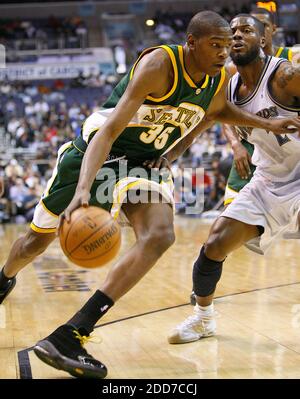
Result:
<point x="81" y="198"/>
<point x="242" y="160"/>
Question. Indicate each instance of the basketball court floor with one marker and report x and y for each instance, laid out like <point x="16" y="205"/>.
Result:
<point x="258" y="306"/>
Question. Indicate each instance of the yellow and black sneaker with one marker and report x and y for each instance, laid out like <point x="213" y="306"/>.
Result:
<point x="63" y="349"/>
<point x="4" y="292"/>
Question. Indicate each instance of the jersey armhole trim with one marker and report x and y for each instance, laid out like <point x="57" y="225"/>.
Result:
<point x="174" y="64"/>
<point x="222" y="79"/>
<point x="186" y="75"/>
<point x="279" y="51"/>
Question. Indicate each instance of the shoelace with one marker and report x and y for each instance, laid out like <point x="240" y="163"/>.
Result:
<point x="83" y="339"/>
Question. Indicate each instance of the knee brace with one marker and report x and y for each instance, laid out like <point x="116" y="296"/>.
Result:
<point x="206" y="274"/>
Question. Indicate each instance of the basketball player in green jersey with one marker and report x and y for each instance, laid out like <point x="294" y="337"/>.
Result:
<point x="165" y="96"/>
<point x="242" y="170"/>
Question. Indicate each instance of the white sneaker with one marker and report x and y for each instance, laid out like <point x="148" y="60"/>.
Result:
<point x="291" y="235"/>
<point x="199" y="325"/>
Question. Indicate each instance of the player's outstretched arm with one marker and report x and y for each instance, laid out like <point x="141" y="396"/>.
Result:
<point x="223" y="111"/>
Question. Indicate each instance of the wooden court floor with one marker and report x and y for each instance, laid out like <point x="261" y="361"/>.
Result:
<point x="258" y="306"/>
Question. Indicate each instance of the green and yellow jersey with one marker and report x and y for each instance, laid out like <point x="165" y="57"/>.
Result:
<point x="285" y="53"/>
<point x="160" y="122"/>
<point x="157" y="125"/>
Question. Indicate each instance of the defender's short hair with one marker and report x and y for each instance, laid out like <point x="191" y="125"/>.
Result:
<point x="260" y="26"/>
<point x="205" y="22"/>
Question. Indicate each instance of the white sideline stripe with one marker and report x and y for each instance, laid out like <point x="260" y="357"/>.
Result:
<point x="2" y="317"/>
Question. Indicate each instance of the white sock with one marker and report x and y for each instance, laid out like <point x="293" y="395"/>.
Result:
<point x="206" y="309"/>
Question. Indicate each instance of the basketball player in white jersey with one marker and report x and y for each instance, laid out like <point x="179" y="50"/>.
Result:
<point x="242" y="168"/>
<point x="269" y="203"/>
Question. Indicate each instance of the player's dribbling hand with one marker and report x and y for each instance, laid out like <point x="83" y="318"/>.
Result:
<point x="284" y="126"/>
<point x="81" y="198"/>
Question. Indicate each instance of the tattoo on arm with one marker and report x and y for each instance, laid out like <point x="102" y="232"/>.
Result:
<point x="287" y="74"/>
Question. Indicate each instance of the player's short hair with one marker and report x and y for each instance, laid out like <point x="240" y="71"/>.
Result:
<point x="205" y="22"/>
<point x="260" y="26"/>
<point x="263" y="11"/>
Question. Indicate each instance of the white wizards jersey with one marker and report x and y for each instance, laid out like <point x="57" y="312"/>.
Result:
<point x="276" y="157"/>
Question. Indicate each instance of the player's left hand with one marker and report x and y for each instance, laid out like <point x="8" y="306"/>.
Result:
<point x="81" y="198"/>
<point x="284" y="126"/>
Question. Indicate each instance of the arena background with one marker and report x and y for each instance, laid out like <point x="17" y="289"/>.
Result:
<point x="58" y="63"/>
<point x="62" y="61"/>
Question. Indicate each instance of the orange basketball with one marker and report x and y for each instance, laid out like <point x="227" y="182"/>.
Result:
<point x="91" y="238"/>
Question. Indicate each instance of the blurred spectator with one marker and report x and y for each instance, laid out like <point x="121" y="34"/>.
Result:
<point x="79" y="81"/>
<point x="13" y="169"/>
<point x="5" y="87"/>
<point x="11" y="107"/>
<point x="199" y="146"/>
<point x="218" y="187"/>
<point x="41" y="107"/>
<point x="13" y="125"/>
<point x="29" y="202"/>
<point x="42" y="116"/>
<point x="23" y="140"/>
<point x="17" y="192"/>
<point x="44" y="33"/>
<point x="58" y="84"/>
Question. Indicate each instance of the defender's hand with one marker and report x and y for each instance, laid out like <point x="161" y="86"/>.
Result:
<point x="284" y="126"/>
<point x="159" y="163"/>
<point x="242" y="160"/>
<point x="81" y="198"/>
